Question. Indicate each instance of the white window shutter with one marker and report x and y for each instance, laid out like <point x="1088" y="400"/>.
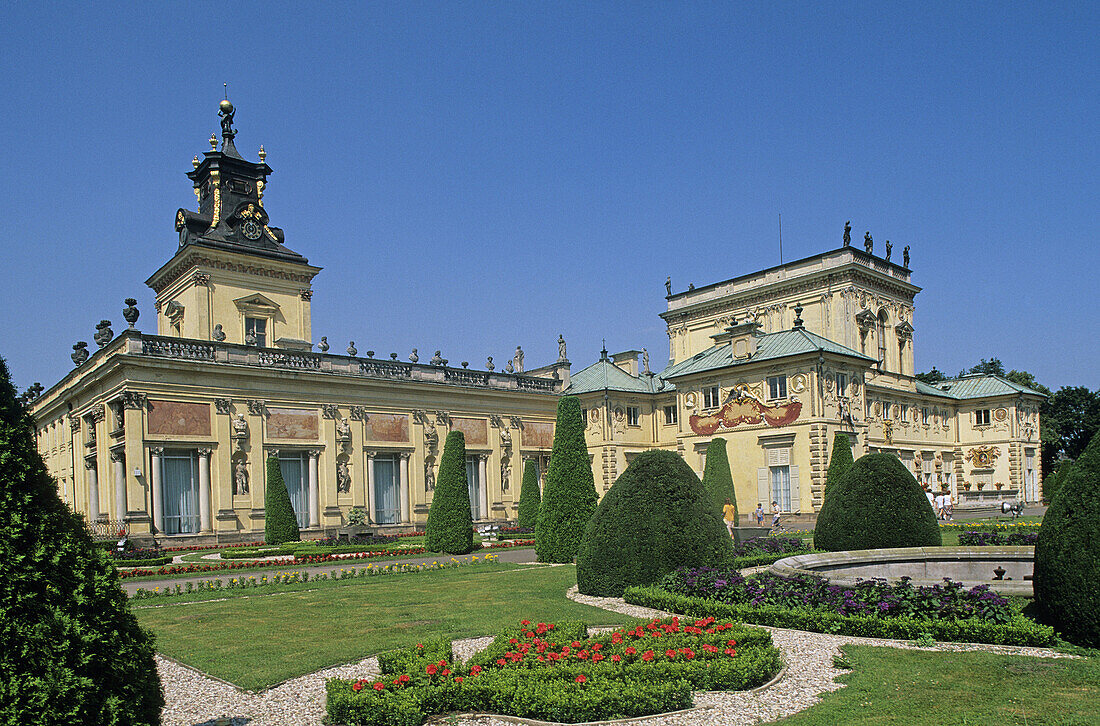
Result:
<point x="763" y="488"/>
<point x="796" y="499"/>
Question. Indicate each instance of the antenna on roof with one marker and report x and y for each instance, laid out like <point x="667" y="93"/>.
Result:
<point x="781" y="238"/>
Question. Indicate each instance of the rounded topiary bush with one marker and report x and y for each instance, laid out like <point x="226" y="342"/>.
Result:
<point x="717" y="478"/>
<point x="450" y="527"/>
<point x="569" y="498"/>
<point x="1067" y="554"/>
<point x="876" y="504"/>
<point x="840" y="461"/>
<point x="529" y="497"/>
<point x="280" y="522"/>
<point x="72" y="652"/>
<point x="656" y="517"/>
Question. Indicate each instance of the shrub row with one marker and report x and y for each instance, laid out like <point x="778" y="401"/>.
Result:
<point x="771" y="546"/>
<point x="1019" y="630"/>
<point x="148" y="562"/>
<point x="544" y="672"/>
<point x="992" y="539"/>
<point x="762" y="559"/>
<point x="991" y="526"/>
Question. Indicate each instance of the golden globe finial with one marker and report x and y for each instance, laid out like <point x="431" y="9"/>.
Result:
<point x="263" y="154"/>
<point x="195" y="161"/>
<point x="225" y="106"/>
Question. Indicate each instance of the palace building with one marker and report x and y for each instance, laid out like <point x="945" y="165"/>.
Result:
<point x="168" y="433"/>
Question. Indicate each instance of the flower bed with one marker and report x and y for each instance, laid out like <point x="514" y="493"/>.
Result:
<point x="290" y="578"/>
<point x="556" y="673"/>
<point x="992" y="539"/>
<point x="509" y="543"/>
<point x="872" y="609"/>
<point x="142" y="561"/>
<point x="357" y="555"/>
<point x="247" y="565"/>
<point x="992" y="526"/>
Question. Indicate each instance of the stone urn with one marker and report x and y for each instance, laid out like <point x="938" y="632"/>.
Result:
<point x="130" y="313"/>
<point x="103" y="333"/>
<point x="80" y="352"/>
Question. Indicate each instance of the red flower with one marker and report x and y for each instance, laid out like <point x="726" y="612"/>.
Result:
<point x="648" y="655"/>
<point x="378" y="685"/>
<point x="403" y="678"/>
<point x="475" y="670"/>
<point x="670" y="654"/>
<point x="458" y="679"/>
<point x="630" y="650"/>
<point x="581" y="678"/>
<point x="501" y="661"/>
<point x="513" y="641"/>
<point x="357" y="686"/>
<point x="446" y="672"/>
<point x="431" y="669"/>
<point x="616" y="658"/>
<point x="524" y="622"/>
<point x="596" y="657"/>
<point x="731" y="642"/>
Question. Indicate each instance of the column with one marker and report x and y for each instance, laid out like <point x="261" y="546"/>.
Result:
<point x="204" y="491"/>
<point x="370" y="485"/>
<point x="314" y="488"/>
<point x="403" y="498"/>
<point x="93" y="489"/>
<point x="482" y="459"/>
<point x="154" y="478"/>
<point x="119" y="459"/>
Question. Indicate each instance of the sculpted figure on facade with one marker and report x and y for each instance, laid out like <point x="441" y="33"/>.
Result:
<point x="343" y="429"/>
<point x="489" y="364"/>
<point x="868" y="243"/>
<point x="848" y="233"/>
<point x="505" y="474"/>
<point x="429" y="474"/>
<point x="437" y="359"/>
<point x="517" y="360"/>
<point x="343" y="477"/>
<point x="240" y="427"/>
<point x="561" y="348"/>
<point x="218" y="335"/>
<point x="240" y="477"/>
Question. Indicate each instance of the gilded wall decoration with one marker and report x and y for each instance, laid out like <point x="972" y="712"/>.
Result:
<point x="745" y="408"/>
<point x="798" y="383"/>
<point x="387" y="427"/>
<point x="1000" y="414"/>
<point x="174" y="418"/>
<point x="538" y="435"/>
<point x="293" y="423"/>
<point x="983" y="456"/>
<point x="474" y="429"/>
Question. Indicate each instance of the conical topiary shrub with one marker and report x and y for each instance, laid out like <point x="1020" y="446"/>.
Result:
<point x="717" y="479"/>
<point x="280" y="522"/>
<point x="1067" y="554"/>
<point x="840" y="462"/>
<point x="569" y="497"/>
<point x="72" y="651"/>
<point x="656" y="517"/>
<point x="876" y="504"/>
<point x="450" y="527"/>
<point x="529" y="496"/>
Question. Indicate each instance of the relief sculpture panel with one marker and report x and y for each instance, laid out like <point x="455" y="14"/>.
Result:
<point x="538" y="435"/>
<point x="173" y="418"/>
<point x="474" y="429"/>
<point x="292" y="423"/>
<point x="387" y="427"/>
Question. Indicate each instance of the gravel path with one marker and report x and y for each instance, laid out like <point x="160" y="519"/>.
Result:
<point x="196" y="699"/>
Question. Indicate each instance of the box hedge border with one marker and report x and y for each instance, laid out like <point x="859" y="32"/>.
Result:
<point x="1020" y="631"/>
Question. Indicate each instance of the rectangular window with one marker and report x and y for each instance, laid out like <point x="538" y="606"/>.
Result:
<point x="710" y="397"/>
<point x="841" y="384"/>
<point x="670" y="415"/>
<point x="179" y="481"/>
<point x="924" y="415"/>
<point x="777" y="387"/>
<point x="294" y="467"/>
<point x="256" y="328"/>
<point x="633" y="415"/>
<point x="387" y="509"/>
<point x="981" y="417"/>
<point x="903" y="412"/>
<point x="781" y="486"/>
<point x="474" y="484"/>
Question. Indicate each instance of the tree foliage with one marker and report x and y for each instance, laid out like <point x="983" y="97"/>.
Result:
<point x="280" y="522"/>
<point x="876" y="504"/>
<point x="72" y="651"/>
<point x="717" y="478"/>
<point x="569" y="495"/>
<point x="840" y="461"/>
<point x="1067" y="554"/>
<point x="656" y="517"/>
<point x="450" y="527"/>
<point x="933" y="376"/>
<point x="529" y="497"/>
<point x="1070" y="419"/>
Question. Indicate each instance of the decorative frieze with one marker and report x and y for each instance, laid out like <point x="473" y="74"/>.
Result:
<point x="257" y="407"/>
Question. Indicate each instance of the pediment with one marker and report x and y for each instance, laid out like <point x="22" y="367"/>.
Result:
<point x="256" y="303"/>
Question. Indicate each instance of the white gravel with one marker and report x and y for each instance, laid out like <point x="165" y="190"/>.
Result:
<point x="194" y="698"/>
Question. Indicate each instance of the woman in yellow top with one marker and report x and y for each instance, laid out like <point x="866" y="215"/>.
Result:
<point x="729" y="512"/>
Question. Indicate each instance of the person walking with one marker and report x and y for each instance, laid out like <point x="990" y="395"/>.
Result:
<point x="759" y="514"/>
<point x="729" y="513"/>
<point x="775" y="514"/>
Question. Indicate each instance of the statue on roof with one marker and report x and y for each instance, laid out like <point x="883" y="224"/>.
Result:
<point x="905" y="256"/>
<point x="225" y="112"/>
<point x="645" y="361"/>
<point x="561" y="347"/>
<point x="889" y="249"/>
<point x="848" y="233"/>
<point x="868" y="243"/>
<point x="668" y="285"/>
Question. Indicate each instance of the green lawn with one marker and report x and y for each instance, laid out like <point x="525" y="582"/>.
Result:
<point x="920" y="688"/>
<point x="273" y="635"/>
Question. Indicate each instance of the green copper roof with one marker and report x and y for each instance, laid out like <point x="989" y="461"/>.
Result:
<point x="980" y="386"/>
<point x="768" y="347"/>
<point x="605" y="375"/>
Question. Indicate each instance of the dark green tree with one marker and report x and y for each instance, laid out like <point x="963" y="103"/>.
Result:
<point x="569" y="496"/>
<point x="1069" y="420"/>
<point x="529" y="496"/>
<point x="840" y="462"/>
<point x="933" y="376"/>
<point x="1067" y="554"/>
<point x="876" y="504"/>
<point x="72" y="651"/>
<point x="1052" y="481"/>
<point x="991" y="367"/>
<point x="280" y="522"/>
<point x="450" y="527"/>
<point x="717" y="479"/>
<point x="656" y="517"/>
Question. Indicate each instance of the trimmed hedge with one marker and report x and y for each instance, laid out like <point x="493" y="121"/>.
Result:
<point x="280" y="522"/>
<point x="72" y="652"/>
<point x="1067" y="553"/>
<point x="840" y="462"/>
<point x="655" y="518"/>
<point x="1019" y="631"/>
<point x="148" y="562"/>
<point x="876" y="504"/>
<point x="1054" y="480"/>
<point x="569" y="499"/>
<point x="529" y="497"/>
<point x="717" y="478"/>
<point x="450" y="527"/>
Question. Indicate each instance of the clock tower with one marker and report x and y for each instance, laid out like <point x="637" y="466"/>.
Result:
<point x="232" y="279"/>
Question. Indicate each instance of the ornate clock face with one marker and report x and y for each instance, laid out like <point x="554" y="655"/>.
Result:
<point x="251" y="229"/>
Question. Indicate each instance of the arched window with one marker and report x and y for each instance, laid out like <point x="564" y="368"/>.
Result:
<point x="881" y="332"/>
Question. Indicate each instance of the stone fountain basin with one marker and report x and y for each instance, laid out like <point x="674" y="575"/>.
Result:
<point x="925" y="565"/>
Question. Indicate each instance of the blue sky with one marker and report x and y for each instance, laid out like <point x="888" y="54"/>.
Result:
<point x="473" y="176"/>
